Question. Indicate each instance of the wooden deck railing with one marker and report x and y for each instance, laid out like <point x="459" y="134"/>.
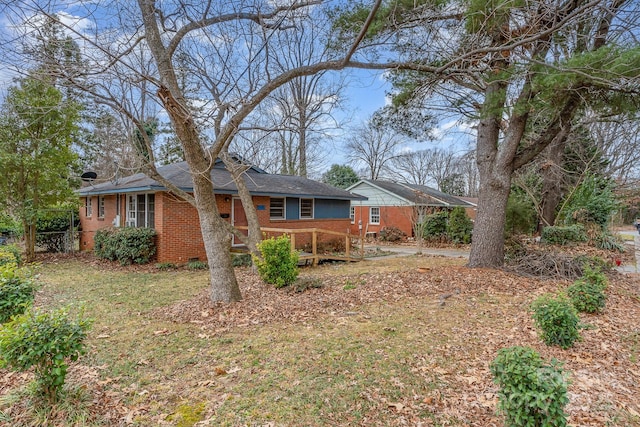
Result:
<point x="314" y="256"/>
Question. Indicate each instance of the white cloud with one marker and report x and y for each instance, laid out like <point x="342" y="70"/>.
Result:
<point x="75" y="24"/>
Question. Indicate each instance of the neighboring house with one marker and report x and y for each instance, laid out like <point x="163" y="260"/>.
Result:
<point x="473" y="209"/>
<point x="391" y="204"/>
<point x="281" y="201"/>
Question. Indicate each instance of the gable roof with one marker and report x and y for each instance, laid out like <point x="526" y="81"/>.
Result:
<point x="413" y="193"/>
<point x="258" y="182"/>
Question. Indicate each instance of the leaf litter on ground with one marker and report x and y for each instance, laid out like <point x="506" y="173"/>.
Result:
<point x="482" y="311"/>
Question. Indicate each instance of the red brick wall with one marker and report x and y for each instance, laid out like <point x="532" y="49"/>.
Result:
<point x="90" y="225"/>
<point x="178" y="230"/>
<point x="390" y="216"/>
<point x="471" y="213"/>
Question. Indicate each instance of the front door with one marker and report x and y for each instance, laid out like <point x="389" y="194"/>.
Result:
<point x="238" y="219"/>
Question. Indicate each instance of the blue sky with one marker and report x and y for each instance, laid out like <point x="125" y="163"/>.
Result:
<point x="366" y="93"/>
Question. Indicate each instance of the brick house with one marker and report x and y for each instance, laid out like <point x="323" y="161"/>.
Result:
<point x="394" y="204"/>
<point x="281" y="201"/>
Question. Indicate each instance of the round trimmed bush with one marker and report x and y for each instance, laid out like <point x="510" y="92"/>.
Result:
<point x="279" y="265"/>
<point x="558" y="320"/>
<point x="531" y="393"/>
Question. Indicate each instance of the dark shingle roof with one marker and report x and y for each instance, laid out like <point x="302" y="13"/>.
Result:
<point x="258" y="183"/>
<point x="420" y="194"/>
<point x="444" y="197"/>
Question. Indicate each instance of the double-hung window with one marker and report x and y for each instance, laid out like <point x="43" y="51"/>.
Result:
<point x="141" y="210"/>
<point x="277" y="208"/>
<point x="100" y="206"/>
<point x="306" y="208"/>
<point x="374" y="215"/>
<point x="352" y="214"/>
<point x="88" y="207"/>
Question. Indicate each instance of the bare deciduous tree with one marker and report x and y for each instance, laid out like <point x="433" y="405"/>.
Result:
<point x="372" y="147"/>
<point x="436" y="167"/>
<point x="208" y="65"/>
<point x="618" y="139"/>
<point x="293" y="127"/>
<point x="413" y="167"/>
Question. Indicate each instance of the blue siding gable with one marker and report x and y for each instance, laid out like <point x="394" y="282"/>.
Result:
<point x="334" y="209"/>
<point x="322" y="208"/>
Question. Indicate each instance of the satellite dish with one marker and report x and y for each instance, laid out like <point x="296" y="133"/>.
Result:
<point x="89" y="176"/>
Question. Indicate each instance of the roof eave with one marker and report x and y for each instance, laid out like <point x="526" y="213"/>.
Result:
<point x="142" y="189"/>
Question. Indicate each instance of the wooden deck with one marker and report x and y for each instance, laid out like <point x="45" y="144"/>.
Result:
<point x="313" y="256"/>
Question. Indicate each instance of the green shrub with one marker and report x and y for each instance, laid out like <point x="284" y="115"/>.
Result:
<point x="197" y="265"/>
<point x="12" y="250"/>
<point x="608" y="242"/>
<point x="593" y="201"/>
<point x="241" y="260"/>
<point x="587" y="294"/>
<point x="7" y="257"/>
<point x="521" y="216"/>
<point x="434" y="226"/>
<point x="595" y="277"/>
<point x="8" y="226"/>
<point x="17" y="291"/>
<point x="459" y="227"/>
<point x="531" y="394"/>
<point x="279" y="265"/>
<point x="587" y="297"/>
<point x="126" y="245"/>
<point x="391" y="234"/>
<point x="558" y="320"/>
<point x="44" y="340"/>
<point x="559" y="235"/>
<point x="165" y="266"/>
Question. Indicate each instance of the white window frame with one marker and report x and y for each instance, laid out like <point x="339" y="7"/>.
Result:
<point x="117" y="221"/>
<point x="284" y="208"/>
<point x="132" y="210"/>
<point x="372" y="215"/>
<point x="313" y="205"/>
<point x="88" y="206"/>
<point x="352" y="214"/>
<point x="100" y="206"/>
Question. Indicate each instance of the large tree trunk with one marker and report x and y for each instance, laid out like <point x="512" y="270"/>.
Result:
<point x="215" y="234"/>
<point x="552" y="178"/>
<point x="217" y="241"/>
<point x="495" y="166"/>
<point x="487" y="245"/>
<point x="29" y="241"/>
